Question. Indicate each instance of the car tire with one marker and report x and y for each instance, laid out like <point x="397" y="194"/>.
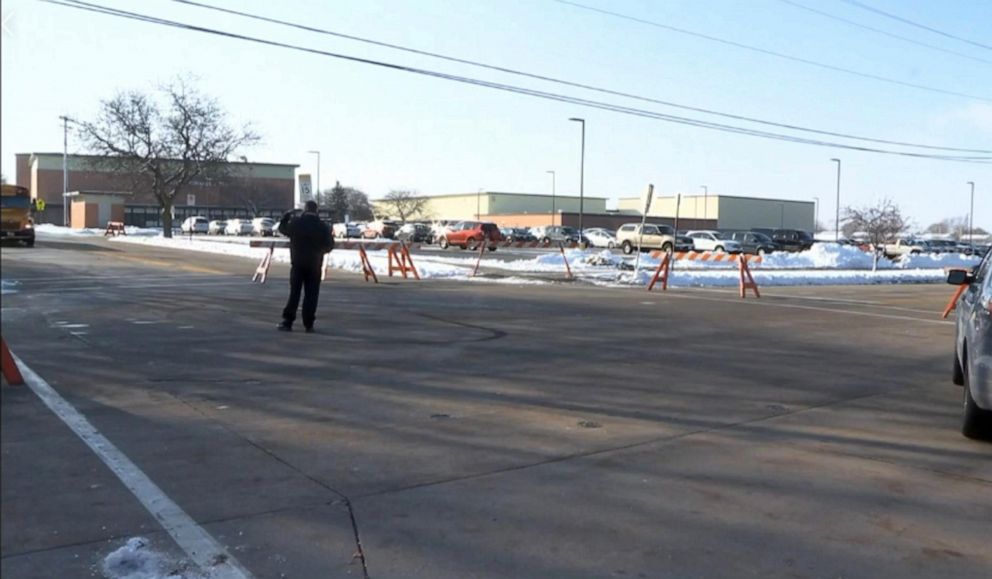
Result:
<point x="471" y="244"/>
<point x="761" y="251"/>
<point x="611" y="245"/>
<point x="29" y="243"/>
<point x="666" y="247"/>
<point x="957" y="373"/>
<point x="546" y="241"/>
<point x="627" y="248"/>
<point x="977" y="423"/>
<point x="492" y="248"/>
<point x="719" y="249"/>
<point x="443" y="243"/>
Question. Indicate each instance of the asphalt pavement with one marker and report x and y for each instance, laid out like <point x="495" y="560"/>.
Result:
<point x="451" y="429"/>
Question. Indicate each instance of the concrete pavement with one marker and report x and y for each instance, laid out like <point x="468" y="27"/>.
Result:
<point x="475" y="430"/>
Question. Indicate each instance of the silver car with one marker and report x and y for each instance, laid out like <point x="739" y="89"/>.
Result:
<point x="973" y="347"/>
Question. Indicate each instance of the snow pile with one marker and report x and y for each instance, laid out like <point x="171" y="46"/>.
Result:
<point x="134" y="560"/>
<point x="8" y="287"/>
<point x="58" y="230"/>
<point x="730" y="278"/>
<point x="823" y="256"/>
<point x="939" y="261"/>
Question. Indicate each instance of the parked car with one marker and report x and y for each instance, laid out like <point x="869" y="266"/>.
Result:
<point x="709" y="240"/>
<point x="377" y="229"/>
<point x="972" y="366"/>
<point x="196" y="224"/>
<point x="754" y="243"/>
<point x="264" y="226"/>
<point x="601" y="238"/>
<point x="907" y="246"/>
<point x="469" y="234"/>
<point x="966" y="248"/>
<point x="351" y="229"/>
<point x="788" y="239"/>
<point x="517" y="234"/>
<point x="217" y="227"/>
<point x="414" y="233"/>
<point x="655" y="237"/>
<point x="238" y="227"/>
<point x="556" y="233"/>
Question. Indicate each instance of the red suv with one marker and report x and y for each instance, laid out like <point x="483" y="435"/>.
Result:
<point x="469" y="234"/>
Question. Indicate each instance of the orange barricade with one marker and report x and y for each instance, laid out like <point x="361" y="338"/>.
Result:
<point x="746" y="279"/>
<point x="115" y="228"/>
<point x="10" y="370"/>
<point x="262" y="271"/>
<point x="367" y="270"/>
<point x="951" y="305"/>
<point x="400" y="260"/>
<point x="561" y="248"/>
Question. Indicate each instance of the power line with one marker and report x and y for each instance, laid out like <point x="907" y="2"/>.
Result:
<point x="884" y="32"/>
<point x="567" y="83"/>
<point x="768" y="52"/>
<point x="90" y="7"/>
<point x="916" y="24"/>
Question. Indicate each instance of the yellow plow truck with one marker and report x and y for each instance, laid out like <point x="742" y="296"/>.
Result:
<point x="15" y="215"/>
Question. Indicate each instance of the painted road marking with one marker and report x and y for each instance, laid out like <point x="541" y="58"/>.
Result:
<point x="817" y="309"/>
<point x="198" y="544"/>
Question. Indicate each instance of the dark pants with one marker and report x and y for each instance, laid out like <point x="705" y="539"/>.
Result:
<point x="306" y="279"/>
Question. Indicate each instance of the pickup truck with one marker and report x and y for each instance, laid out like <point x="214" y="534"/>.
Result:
<point x="656" y="236"/>
<point x="901" y="247"/>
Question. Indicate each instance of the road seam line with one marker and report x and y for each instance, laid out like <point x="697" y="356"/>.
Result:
<point x="198" y="544"/>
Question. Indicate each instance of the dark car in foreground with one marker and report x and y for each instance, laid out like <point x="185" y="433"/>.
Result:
<point x="972" y="366"/>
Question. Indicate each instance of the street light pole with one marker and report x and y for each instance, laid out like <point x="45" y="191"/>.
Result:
<point x="554" y="187"/>
<point x="706" y="198"/>
<point x="971" y="218"/>
<point x="318" y="173"/>
<point x="837" y="222"/>
<point x="478" y="205"/>
<point x="582" y="175"/>
<point x="816" y="213"/>
<point x="65" y="170"/>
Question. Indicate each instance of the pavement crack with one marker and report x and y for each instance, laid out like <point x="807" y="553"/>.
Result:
<point x="353" y="519"/>
<point x="494" y="333"/>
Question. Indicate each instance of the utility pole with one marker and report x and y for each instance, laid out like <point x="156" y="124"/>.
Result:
<point x="706" y="198"/>
<point x="554" y="187"/>
<point x="582" y="175"/>
<point x="816" y="213"/>
<point x="318" y="173"/>
<point x="837" y="222"/>
<point x="65" y="170"/>
<point x="971" y="218"/>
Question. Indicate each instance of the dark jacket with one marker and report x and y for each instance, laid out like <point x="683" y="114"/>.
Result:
<point x="309" y="238"/>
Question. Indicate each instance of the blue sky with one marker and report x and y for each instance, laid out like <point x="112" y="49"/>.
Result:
<point x="379" y="129"/>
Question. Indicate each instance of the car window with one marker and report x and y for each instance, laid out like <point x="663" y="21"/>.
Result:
<point x="982" y="270"/>
<point x="650" y="230"/>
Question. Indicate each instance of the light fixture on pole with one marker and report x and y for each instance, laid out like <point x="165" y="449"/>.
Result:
<point x="837" y="221"/>
<point x="706" y="199"/>
<point x="554" y="187"/>
<point x="582" y="174"/>
<point x="318" y="173"/>
<point x="971" y="218"/>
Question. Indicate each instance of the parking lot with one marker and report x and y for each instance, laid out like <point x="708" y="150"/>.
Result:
<point x="439" y="429"/>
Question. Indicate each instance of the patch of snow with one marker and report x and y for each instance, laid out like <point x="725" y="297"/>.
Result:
<point x="940" y="261"/>
<point x="134" y="560"/>
<point x="60" y="231"/>
<point x="8" y="286"/>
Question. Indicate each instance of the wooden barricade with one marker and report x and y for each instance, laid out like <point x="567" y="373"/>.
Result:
<point x="115" y="228"/>
<point x="746" y="279"/>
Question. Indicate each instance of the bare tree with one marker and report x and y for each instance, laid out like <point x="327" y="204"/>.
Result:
<point x="404" y="203"/>
<point x="164" y="149"/>
<point x="957" y="227"/>
<point x="881" y="223"/>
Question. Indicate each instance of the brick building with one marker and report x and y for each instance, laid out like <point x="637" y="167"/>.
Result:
<point x="250" y="189"/>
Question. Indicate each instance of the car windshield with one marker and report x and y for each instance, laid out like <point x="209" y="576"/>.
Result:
<point x="761" y="237"/>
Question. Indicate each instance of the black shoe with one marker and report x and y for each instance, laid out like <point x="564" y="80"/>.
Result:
<point x="284" y="327"/>
<point x="308" y="329"/>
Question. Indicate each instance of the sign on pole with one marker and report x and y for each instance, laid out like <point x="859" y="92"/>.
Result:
<point x="190" y="199"/>
<point x="306" y="189"/>
<point x="640" y="238"/>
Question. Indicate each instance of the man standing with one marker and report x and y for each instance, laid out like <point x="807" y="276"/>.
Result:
<point x="309" y="239"/>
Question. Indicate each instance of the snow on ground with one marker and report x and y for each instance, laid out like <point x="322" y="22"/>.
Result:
<point x="823" y="264"/>
<point x="8" y="286"/>
<point x="50" y="229"/>
<point x="135" y="560"/>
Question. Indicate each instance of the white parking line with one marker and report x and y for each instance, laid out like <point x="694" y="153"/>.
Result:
<point x="198" y="544"/>
<point x="819" y="309"/>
